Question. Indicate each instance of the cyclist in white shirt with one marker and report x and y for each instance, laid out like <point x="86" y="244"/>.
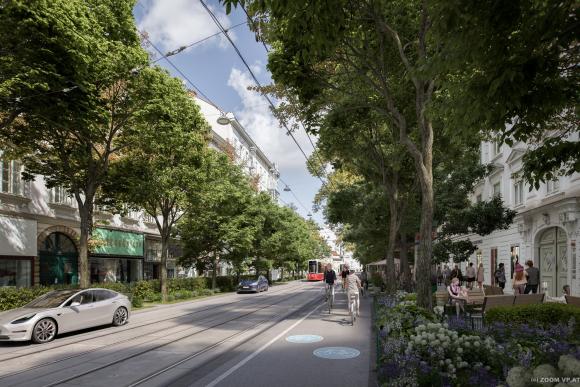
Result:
<point x="353" y="286"/>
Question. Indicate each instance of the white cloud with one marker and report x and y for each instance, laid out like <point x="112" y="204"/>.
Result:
<point x="264" y="128"/>
<point x="175" y="23"/>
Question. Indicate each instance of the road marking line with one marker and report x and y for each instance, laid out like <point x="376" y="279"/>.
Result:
<point x="257" y="352"/>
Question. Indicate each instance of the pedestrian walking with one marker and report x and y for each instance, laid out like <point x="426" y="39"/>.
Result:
<point x="470" y="274"/>
<point x="533" y="278"/>
<point x="519" y="283"/>
<point x="480" y="276"/>
<point x="500" y="276"/>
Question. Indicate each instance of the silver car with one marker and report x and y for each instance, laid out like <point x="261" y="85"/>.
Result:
<point x="62" y="311"/>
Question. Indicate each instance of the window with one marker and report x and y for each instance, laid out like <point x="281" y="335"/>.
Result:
<point x="16" y="272"/>
<point x="59" y="195"/>
<point x="518" y="193"/>
<point x="496" y="148"/>
<point x="552" y="186"/>
<point x="102" y="295"/>
<point x="496" y="189"/>
<point x="11" y="181"/>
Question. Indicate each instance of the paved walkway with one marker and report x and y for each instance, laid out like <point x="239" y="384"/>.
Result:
<point x="272" y="360"/>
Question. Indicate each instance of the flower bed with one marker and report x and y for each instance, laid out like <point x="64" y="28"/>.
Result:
<point x="419" y="348"/>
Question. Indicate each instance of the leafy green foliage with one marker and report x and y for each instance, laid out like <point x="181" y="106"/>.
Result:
<point x="66" y="102"/>
<point x="481" y="218"/>
<point x="513" y="66"/>
<point x="544" y="315"/>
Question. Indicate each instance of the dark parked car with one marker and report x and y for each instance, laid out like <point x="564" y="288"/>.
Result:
<point x="253" y="285"/>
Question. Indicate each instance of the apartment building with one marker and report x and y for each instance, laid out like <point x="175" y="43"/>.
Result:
<point x="39" y="227"/>
<point x="545" y="229"/>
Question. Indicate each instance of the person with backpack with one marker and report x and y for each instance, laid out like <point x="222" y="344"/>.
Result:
<point x="500" y="276"/>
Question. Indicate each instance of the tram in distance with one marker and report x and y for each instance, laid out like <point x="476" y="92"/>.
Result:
<point x="316" y="270"/>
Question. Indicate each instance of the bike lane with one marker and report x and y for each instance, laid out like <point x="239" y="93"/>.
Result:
<point x="313" y="348"/>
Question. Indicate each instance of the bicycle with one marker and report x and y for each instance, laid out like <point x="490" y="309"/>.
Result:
<point x="329" y="296"/>
<point x="352" y="300"/>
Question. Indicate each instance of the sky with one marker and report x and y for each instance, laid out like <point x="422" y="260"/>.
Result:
<point x="215" y="69"/>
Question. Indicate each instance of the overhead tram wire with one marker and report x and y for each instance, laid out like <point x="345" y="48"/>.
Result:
<point x="217" y="22"/>
<point x="268" y="51"/>
<point x="206" y="98"/>
<point x="293" y="194"/>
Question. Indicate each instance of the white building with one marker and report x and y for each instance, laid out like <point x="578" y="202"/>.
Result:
<point x="232" y="137"/>
<point x="39" y="227"/>
<point x="545" y="229"/>
<point x="39" y="236"/>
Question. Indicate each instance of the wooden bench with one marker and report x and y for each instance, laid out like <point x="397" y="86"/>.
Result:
<point x="492" y="290"/>
<point x="527" y="299"/>
<point x="490" y="302"/>
<point x="475" y="297"/>
<point x="571" y="300"/>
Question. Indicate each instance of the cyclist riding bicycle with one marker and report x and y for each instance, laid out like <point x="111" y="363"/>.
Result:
<point x="329" y="278"/>
<point x="353" y="286"/>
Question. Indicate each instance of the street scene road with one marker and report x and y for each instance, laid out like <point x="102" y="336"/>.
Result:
<point x="228" y="340"/>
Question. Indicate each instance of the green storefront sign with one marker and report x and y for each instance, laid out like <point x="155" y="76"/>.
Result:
<point x="113" y="242"/>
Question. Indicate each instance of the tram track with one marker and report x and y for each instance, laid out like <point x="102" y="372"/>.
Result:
<point x="204" y="319"/>
<point x="133" y="327"/>
<point x="180" y="338"/>
<point x="173" y="365"/>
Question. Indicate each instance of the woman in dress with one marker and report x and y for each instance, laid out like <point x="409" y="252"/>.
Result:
<point x="519" y="283"/>
<point x="480" y="272"/>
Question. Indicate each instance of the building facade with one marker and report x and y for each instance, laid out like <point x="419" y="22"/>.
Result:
<point x="39" y="227"/>
<point x="232" y="139"/>
<point x="545" y="229"/>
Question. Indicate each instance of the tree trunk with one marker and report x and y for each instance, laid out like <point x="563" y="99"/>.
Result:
<point x="423" y="261"/>
<point x="391" y="285"/>
<point x="282" y="274"/>
<point x="165" y="234"/>
<point x="404" y="269"/>
<point x="86" y="215"/>
<point x="214" y="272"/>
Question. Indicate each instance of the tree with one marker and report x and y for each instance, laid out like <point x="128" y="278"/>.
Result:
<point x="514" y="74"/>
<point x="156" y="173"/>
<point x="320" y="51"/>
<point x="220" y="220"/>
<point x="67" y="70"/>
<point x="481" y="218"/>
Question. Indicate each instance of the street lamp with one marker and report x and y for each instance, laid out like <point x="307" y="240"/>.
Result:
<point x="287" y="189"/>
<point x="223" y="119"/>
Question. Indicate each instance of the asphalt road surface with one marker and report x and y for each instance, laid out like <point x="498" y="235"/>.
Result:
<point x="282" y="337"/>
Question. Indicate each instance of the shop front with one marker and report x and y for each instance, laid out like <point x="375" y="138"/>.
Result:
<point x="117" y="256"/>
<point x="152" y="265"/>
<point x="17" y="251"/>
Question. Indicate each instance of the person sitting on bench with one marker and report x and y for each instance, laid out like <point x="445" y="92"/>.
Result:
<point x="458" y="295"/>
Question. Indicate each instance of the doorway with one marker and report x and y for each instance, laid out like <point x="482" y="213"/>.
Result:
<point x="553" y="252"/>
<point x="58" y="260"/>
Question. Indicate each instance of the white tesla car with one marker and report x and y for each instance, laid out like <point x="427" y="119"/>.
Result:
<point x="62" y="311"/>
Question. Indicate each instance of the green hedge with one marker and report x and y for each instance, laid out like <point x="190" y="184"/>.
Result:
<point x="543" y="315"/>
<point x="138" y="292"/>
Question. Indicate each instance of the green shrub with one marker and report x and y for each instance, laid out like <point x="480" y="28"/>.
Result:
<point x="170" y="298"/>
<point x="144" y="290"/>
<point x="137" y="302"/>
<point x="190" y="284"/>
<point x="544" y="315"/>
<point x="205" y="292"/>
<point x="184" y="294"/>
<point x="11" y="298"/>
<point x="226" y="284"/>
